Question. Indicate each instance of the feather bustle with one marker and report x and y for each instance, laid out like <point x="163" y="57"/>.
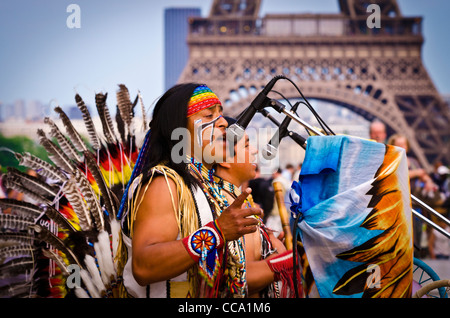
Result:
<point x="75" y="185"/>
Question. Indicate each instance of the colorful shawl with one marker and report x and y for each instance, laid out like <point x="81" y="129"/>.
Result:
<point x="355" y="222"/>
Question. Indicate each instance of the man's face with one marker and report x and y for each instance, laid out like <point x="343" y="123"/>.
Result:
<point x="243" y="164"/>
<point x="207" y="132"/>
<point x="401" y="142"/>
<point x="378" y="132"/>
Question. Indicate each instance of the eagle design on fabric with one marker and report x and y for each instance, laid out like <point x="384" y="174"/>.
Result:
<point x="390" y="252"/>
<point x="70" y="228"/>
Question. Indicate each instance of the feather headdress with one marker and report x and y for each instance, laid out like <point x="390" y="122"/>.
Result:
<point x="69" y="216"/>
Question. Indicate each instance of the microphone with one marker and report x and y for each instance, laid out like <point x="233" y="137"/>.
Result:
<point x="297" y="138"/>
<point x="236" y="131"/>
<point x="292" y="134"/>
<point x="270" y="150"/>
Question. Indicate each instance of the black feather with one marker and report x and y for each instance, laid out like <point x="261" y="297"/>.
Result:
<point x="120" y="125"/>
<point x="75" y="137"/>
<point x="88" y="122"/>
<point x="43" y="168"/>
<point x="108" y="128"/>
<point x="55" y="153"/>
<point x="104" y="190"/>
<point x="45" y="235"/>
<point x="34" y="184"/>
<point x="12" y="182"/>
<point x="58" y="218"/>
<point x="22" y="208"/>
<point x="63" y="142"/>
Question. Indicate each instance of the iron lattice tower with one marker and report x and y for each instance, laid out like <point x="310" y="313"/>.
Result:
<point x="376" y="72"/>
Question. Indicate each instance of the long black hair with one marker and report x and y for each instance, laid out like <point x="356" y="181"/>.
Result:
<point x="170" y="112"/>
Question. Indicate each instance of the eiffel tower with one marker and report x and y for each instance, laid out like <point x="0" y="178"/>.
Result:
<point x="376" y="72"/>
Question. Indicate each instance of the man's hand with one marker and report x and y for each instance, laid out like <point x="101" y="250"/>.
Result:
<point x="236" y="221"/>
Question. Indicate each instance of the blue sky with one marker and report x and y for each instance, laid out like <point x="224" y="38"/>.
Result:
<point x="122" y="42"/>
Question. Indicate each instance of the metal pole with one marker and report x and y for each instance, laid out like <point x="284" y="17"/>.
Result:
<point x="437" y="227"/>
<point x="301" y="122"/>
<point x="427" y="207"/>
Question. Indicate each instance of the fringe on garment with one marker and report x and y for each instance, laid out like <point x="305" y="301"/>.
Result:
<point x="186" y="217"/>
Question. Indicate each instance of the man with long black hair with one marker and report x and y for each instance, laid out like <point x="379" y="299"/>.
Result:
<point x="178" y="231"/>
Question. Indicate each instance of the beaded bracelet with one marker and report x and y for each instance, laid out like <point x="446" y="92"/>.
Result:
<point x="207" y="239"/>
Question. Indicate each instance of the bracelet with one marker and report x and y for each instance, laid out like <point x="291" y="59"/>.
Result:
<point x="279" y="263"/>
<point x="283" y="269"/>
<point x="203" y="241"/>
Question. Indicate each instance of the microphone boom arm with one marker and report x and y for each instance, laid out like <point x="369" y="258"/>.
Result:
<point x="282" y="109"/>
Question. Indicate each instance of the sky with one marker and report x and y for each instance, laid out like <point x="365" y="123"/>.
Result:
<point x="122" y="42"/>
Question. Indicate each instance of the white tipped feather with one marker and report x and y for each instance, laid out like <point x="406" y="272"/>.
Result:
<point x="93" y="270"/>
<point x="99" y="257"/>
<point x="105" y="245"/>
<point x="81" y="293"/>
<point x="115" y="230"/>
<point x="87" y="280"/>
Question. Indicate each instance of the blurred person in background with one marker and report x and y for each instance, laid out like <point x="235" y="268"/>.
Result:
<point x="438" y="243"/>
<point x="422" y="186"/>
<point x="377" y="131"/>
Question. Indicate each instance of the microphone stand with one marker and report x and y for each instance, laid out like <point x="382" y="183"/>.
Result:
<point x="282" y="109"/>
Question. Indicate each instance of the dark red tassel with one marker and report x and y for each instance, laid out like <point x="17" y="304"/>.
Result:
<point x="283" y="268"/>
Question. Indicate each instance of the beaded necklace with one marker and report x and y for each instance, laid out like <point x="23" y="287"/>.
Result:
<point x="234" y="191"/>
<point x="236" y="264"/>
<point x="209" y="186"/>
<point x="227" y="186"/>
<point x="266" y="245"/>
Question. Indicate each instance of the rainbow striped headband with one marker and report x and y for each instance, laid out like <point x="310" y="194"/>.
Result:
<point x="202" y="98"/>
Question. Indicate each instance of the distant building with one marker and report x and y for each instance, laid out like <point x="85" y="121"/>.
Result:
<point x="20" y="109"/>
<point x="35" y="110"/>
<point x="176" y="51"/>
<point x="32" y="110"/>
<point x="73" y="112"/>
